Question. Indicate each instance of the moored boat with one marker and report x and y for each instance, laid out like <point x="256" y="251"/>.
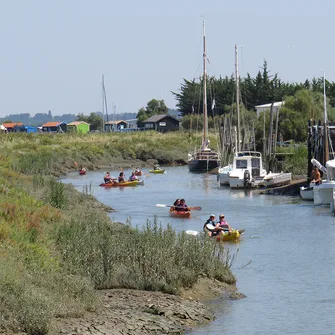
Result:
<point x="277" y="179"/>
<point x="307" y="192"/>
<point x="122" y="184"/>
<point x="180" y="214"/>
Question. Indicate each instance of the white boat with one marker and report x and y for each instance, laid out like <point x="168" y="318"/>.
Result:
<point x="307" y="192"/>
<point x="204" y="159"/>
<point x="247" y="170"/>
<point x="277" y="179"/>
<point x="223" y="174"/>
<point x="323" y="193"/>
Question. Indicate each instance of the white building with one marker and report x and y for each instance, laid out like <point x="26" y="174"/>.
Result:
<point x="266" y="107"/>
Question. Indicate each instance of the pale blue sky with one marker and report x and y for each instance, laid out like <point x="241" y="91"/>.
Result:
<point x="53" y="53"/>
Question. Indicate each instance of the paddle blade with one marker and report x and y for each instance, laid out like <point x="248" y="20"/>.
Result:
<point x="195" y="208"/>
<point x="241" y="231"/>
<point x="162" y="205"/>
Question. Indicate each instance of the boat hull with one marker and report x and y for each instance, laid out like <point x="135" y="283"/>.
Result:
<point x="180" y="214"/>
<point x="307" y="193"/>
<point x="123" y="184"/>
<point x="156" y="171"/>
<point x="223" y="175"/>
<point x="229" y="236"/>
<point x="323" y="193"/>
<point x="277" y="179"/>
<point x="201" y="165"/>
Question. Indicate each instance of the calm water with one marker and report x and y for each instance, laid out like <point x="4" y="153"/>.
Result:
<point x="289" y="283"/>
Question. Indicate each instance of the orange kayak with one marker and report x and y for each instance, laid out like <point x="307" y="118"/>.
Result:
<point x="180" y="214"/>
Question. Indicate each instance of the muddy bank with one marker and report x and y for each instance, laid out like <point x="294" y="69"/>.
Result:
<point x="131" y="312"/>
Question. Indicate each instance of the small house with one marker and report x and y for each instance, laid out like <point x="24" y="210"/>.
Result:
<point x="54" y="127"/>
<point x="162" y="123"/>
<point x="116" y="125"/>
<point x="11" y="125"/>
<point x="78" y="127"/>
<point x="25" y="129"/>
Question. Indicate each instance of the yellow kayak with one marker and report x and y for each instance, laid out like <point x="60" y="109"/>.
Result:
<point x="229" y="236"/>
<point x="121" y="184"/>
<point x="157" y="171"/>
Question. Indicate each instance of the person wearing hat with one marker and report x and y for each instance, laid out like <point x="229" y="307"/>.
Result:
<point x="212" y="228"/>
<point x="224" y="224"/>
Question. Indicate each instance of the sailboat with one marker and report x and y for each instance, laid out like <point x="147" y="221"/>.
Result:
<point x="204" y="159"/>
<point x="323" y="193"/>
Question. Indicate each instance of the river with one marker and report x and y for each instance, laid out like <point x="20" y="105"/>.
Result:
<point x="284" y="264"/>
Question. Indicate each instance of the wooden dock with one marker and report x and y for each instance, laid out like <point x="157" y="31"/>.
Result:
<point x="292" y="189"/>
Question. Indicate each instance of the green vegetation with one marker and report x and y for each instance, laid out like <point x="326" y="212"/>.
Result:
<point x="57" y="246"/>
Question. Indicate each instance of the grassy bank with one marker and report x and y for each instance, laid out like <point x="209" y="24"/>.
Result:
<point x="57" y="246"/>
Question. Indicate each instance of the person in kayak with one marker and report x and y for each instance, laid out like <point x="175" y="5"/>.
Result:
<point x="182" y="207"/>
<point x="175" y="205"/>
<point x="121" y="177"/>
<point x="224" y="224"/>
<point x="107" y="178"/>
<point x="138" y="172"/>
<point x="212" y="228"/>
<point x="132" y="177"/>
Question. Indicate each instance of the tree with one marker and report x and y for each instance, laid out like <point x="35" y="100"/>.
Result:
<point x="154" y="107"/>
<point x="93" y="119"/>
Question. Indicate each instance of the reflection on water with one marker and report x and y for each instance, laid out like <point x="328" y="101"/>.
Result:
<point x="289" y="243"/>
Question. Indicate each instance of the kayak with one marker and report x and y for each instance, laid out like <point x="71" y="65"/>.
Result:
<point x="122" y="184"/>
<point x="82" y="172"/>
<point x="229" y="236"/>
<point x="156" y="171"/>
<point x="180" y="214"/>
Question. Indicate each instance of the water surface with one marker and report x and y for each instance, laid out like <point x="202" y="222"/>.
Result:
<point x="289" y="243"/>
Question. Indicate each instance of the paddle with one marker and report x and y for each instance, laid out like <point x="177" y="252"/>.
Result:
<point x="192" y="208"/>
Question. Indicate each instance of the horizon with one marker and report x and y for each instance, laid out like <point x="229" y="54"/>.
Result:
<point x="54" y="54"/>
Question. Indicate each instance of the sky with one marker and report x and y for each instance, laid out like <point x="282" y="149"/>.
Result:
<point x="54" y="53"/>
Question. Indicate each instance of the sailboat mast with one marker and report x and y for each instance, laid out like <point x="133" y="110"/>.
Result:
<point x="237" y="98"/>
<point x="205" y="134"/>
<point x="103" y="103"/>
<point x="325" y="120"/>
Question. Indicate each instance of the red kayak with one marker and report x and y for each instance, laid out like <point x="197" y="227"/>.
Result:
<point x="82" y="172"/>
<point x="180" y="214"/>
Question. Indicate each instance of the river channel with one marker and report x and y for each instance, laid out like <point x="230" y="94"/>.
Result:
<point x="284" y="262"/>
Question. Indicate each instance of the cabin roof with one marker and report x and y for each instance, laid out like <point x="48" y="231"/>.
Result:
<point x="76" y="123"/>
<point x="158" y="117"/>
<point x="115" y="122"/>
<point x="275" y="104"/>
<point x="52" y="124"/>
<point x="12" y="124"/>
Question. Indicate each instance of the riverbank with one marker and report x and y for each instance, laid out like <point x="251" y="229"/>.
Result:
<point x="64" y="262"/>
<point x="131" y="312"/>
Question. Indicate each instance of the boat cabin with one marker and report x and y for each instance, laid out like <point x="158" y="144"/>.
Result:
<point x="251" y="160"/>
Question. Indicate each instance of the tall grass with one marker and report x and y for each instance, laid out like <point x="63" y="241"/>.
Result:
<point x="150" y="259"/>
<point x="57" y="244"/>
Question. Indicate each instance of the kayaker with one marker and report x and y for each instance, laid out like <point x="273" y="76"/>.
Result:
<point x="138" y="172"/>
<point x="182" y="207"/>
<point x="224" y="224"/>
<point x="176" y="204"/>
<point x="156" y="167"/>
<point x="212" y="228"/>
<point x="121" y="177"/>
<point x="132" y="177"/>
<point x="107" y="178"/>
